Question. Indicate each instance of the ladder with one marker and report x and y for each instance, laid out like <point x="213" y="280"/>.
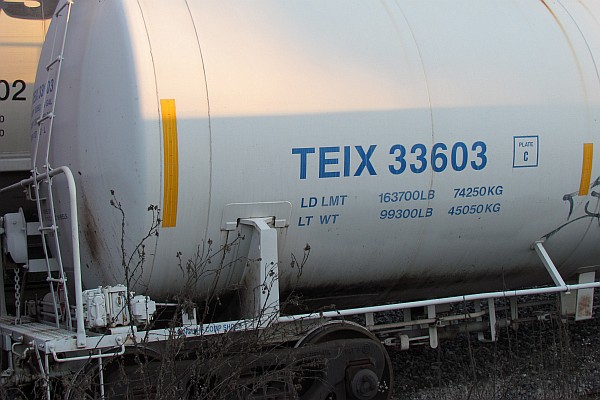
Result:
<point x="42" y="175"/>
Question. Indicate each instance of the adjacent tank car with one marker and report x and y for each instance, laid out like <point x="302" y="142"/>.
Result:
<point x="22" y="30"/>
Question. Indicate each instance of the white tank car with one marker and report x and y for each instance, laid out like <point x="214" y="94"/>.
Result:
<point x="420" y="148"/>
<point x="23" y="25"/>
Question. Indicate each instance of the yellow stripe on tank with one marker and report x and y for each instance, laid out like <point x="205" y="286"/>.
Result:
<point x="586" y="169"/>
<point x="171" y="163"/>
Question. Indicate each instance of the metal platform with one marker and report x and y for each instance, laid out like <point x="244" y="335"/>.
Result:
<point x="49" y="339"/>
<point x="30" y="332"/>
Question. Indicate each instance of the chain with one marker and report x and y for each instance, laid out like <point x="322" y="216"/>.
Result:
<point x="17" y="296"/>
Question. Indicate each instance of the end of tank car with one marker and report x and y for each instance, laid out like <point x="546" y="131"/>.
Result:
<point x="258" y="200"/>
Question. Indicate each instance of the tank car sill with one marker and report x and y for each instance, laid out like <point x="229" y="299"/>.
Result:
<point x="475" y="313"/>
<point x="52" y="340"/>
<point x="560" y="287"/>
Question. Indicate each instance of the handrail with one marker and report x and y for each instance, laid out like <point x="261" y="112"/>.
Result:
<point x="439" y="301"/>
<point x="560" y="286"/>
<point x="81" y="336"/>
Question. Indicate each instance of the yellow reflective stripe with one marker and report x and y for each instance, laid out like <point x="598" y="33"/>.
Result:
<point x="586" y="169"/>
<point x="171" y="163"/>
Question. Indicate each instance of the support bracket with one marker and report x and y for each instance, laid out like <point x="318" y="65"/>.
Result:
<point x="261" y="276"/>
<point x="550" y="267"/>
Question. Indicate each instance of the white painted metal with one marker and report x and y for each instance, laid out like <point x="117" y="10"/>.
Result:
<point x="110" y="306"/>
<point x="433" y="333"/>
<point x="260" y="299"/>
<point x="15" y="229"/>
<point x="40" y="265"/>
<point x="492" y="319"/>
<point x="95" y="308"/>
<point x="16" y="232"/>
<point x="310" y="104"/>
<point x="43" y="175"/>
<point x="71" y="193"/>
<point x="543" y="254"/>
<point x="101" y="377"/>
<point x="142" y="309"/>
<point x="74" y="241"/>
<point x="585" y="297"/>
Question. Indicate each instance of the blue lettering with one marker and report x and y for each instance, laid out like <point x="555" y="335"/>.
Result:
<point x="305" y="222"/>
<point x="421" y="158"/>
<point x="312" y="202"/>
<point x="365" y="160"/>
<point x="326" y="219"/>
<point x="323" y="201"/>
<point x="459" y="163"/>
<point x="475" y="209"/>
<point x="406" y="213"/>
<point x="346" y="160"/>
<point x="481" y="149"/>
<point x="324" y="161"/>
<point x="303" y="151"/>
<point x="333" y="201"/>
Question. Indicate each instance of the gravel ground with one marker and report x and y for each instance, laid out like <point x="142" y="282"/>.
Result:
<point x="541" y="360"/>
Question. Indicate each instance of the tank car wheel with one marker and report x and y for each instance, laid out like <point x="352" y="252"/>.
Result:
<point x="365" y="377"/>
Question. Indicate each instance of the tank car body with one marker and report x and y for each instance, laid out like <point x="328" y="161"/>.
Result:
<point x="420" y="149"/>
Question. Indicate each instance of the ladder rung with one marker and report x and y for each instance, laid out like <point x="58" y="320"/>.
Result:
<point x="47" y="228"/>
<point x="57" y="280"/>
<point x="57" y="13"/>
<point x="45" y="117"/>
<point x="56" y="60"/>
